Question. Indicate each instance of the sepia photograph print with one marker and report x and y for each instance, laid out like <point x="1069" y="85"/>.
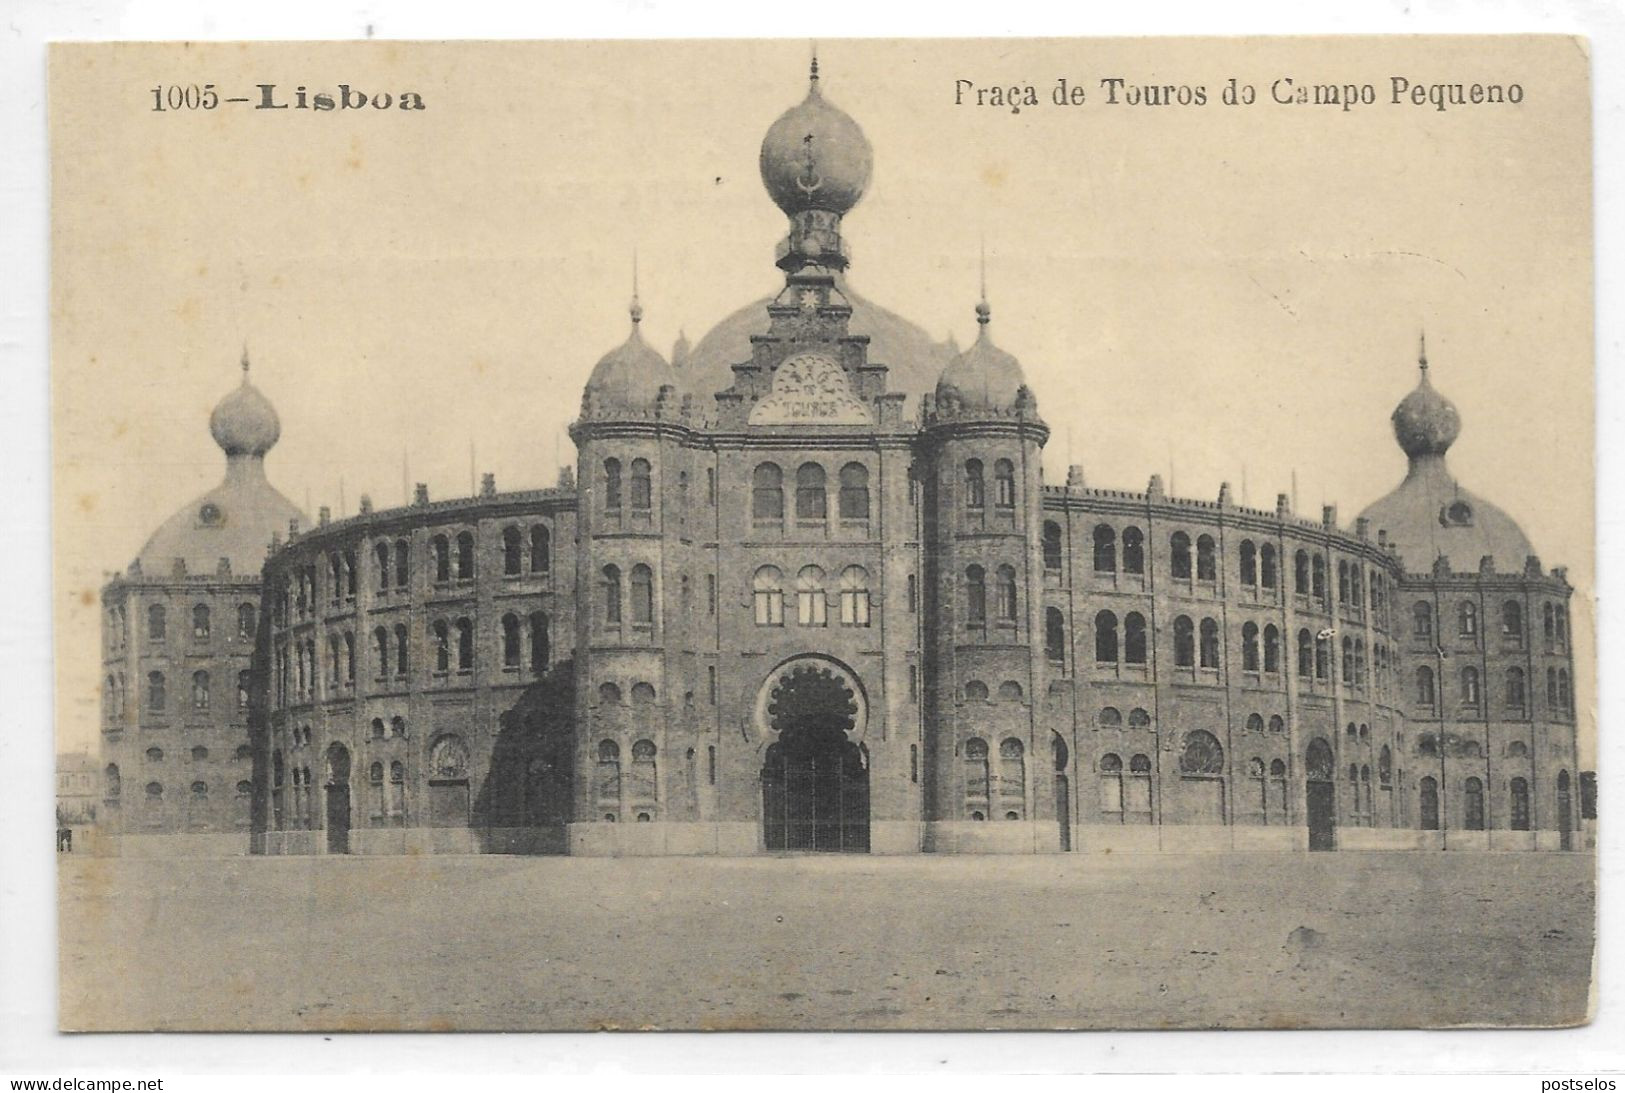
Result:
<point x="841" y="535"/>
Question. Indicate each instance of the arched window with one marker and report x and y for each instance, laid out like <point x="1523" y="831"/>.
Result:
<point x="1105" y="548"/>
<point x="465" y="556"/>
<point x="540" y="644"/>
<point x="644" y="779"/>
<point x="1272" y="649"/>
<point x="1560" y="622"/>
<point x="1012" y="778"/>
<point x="1348" y="661"/>
<point x="643" y="595"/>
<point x="1110" y="717"/>
<point x="1473" y="794"/>
<point x="977" y="777"/>
<point x="1519" y="791"/>
<point x="1210" y="644"/>
<point x="1139" y="719"/>
<point x="1424" y="686"/>
<point x="1317" y="581"/>
<point x="812" y="601"/>
<point x="975" y="489"/>
<point x="1249" y="562"/>
<point x="767" y="595"/>
<point x="612" y="485"/>
<point x="510" y="640"/>
<point x="403" y="561"/>
<point x="155" y="691"/>
<point x="1467" y="619"/>
<point x="442" y="646"/>
<point x="1054" y="635"/>
<point x="1007" y="594"/>
<point x="1300" y="573"/>
<point x="1106" y="638"/>
<point x="1010" y="691"/>
<point x="200" y="754"/>
<point x="243" y="679"/>
<point x="1249" y="647"/>
<point x="642" y="492"/>
<point x="854" y="596"/>
<point x="1255" y="722"/>
<point x="1422" y="619"/>
<point x="541" y="549"/>
<point x="1517" y="750"/>
<point x="1512" y="621"/>
<point x="200" y="621"/>
<point x="976" y="691"/>
<point x="1207" y="565"/>
<point x="1342" y="581"/>
<point x="609" y="776"/>
<point x="1184" y="642"/>
<point x="440" y="546"/>
<point x="1111" y="786"/>
<point x="465" y="645"/>
<point x="767" y="494"/>
<point x="245" y="620"/>
<point x="1565" y="700"/>
<point x="1133" y="550"/>
<point x="397" y="791"/>
<point x="611" y="589"/>
<point x="1004" y="484"/>
<point x="609" y="694"/>
<point x="375" y="790"/>
<point x="1203" y="756"/>
<point x="1179" y="545"/>
<point x="1323" y="656"/>
<point x="812" y="506"/>
<point x="378" y="730"/>
<point x="402" y="654"/>
<point x="1277" y="723"/>
<point x="380" y="551"/>
<point x="643" y="694"/>
<point x="112" y="785"/>
<point x="854" y="502"/>
<point x="1516" y="697"/>
<point x="1266" y="566"/>
<point x="200" y="690"/>
<point x="1052" y="545"/>
<point x="513" y="562"/>
<point x="975" y="596"/>
<point x="156" y="622"/>
<point x="1469" y="687"/>
<point x="1134" y="647"/>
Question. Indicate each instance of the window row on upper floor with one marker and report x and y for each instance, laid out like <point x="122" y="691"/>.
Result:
<point x="202" y="617"/>
<point x="1514" y="690"/>
<point x="1257" y="566"/>
<point x="116" y="697"/>
<point x="812" y="596"/>
<point x="811" y="511"/>
<point x="1554" y="619"/>
<point x="451" y="558"/>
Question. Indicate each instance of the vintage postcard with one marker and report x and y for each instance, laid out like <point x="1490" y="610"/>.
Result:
<point x="1018" y="534"/>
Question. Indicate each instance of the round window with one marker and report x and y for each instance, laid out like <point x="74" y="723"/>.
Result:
<point x="209" y="513"/>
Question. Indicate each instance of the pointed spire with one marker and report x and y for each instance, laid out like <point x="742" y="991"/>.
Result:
<point x="812" y="75"/>
<point x="984" y="313"/>
<point x="245" y="361"/>
<point x="637" y="307"/>
<point x="1422" y="353"/>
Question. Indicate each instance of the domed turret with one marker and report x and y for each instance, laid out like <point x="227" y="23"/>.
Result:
<point x="234" y="521"/>
<point x="630" y="376"/>
<point x="245" y="422"/>
<point x="983" y="377"/>
<point x="1429" y="515"/>
<point x="815" y="156"/>
<point x="1425" y="422"/>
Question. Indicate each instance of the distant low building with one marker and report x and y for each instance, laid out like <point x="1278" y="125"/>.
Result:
<point x="78" y="792"/>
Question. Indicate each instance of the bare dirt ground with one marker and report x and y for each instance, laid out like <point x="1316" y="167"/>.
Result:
<point x="1152" y="941"/>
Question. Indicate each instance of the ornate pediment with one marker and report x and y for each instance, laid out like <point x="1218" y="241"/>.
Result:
<point x="810" y="389"/>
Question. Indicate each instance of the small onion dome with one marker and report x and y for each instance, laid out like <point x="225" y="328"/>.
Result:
<point x="1425" y="422"/>
<point x="245" y="422"/>
<point x="983" y="377"/>
<point x="815" y="156"/>
<point x="631" y="375"/>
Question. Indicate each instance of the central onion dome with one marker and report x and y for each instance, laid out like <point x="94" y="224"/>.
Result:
<point x="1430" y="515"/>
<point x="983" y="377"/>
<point x="232" y="523"/>
<point x="630" y="376"/>
<point x="1425" y="422"/>
<point x="815" y="156"/>
<point x="245" y="422"/>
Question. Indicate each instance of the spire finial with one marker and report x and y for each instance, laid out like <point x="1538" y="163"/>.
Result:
<point x="245" y="362"/>
<point x="812" y="75"/>
<point x="637" y="307"/>
<point x="984" y="313"/>
<point x="1422" y="352"/>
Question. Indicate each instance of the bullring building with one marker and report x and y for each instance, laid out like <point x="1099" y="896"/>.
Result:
<point x="806" y="589"/>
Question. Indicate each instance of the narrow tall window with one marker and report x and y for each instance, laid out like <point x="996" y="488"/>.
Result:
<point x="976" y="778"/>
<point x="200" y="621"/>
<point x="1318" y="577"/>
<point x="465" y="645"/>
<point x="200" y="690"/>
<point x="1004" y="484"/>
<point x="156" y="699"/>
<point x="612" y="485"/>
<point x="1300" y="573"/>
<point x="403" y="659"/>
<point x="380" y="552"/>
<point x="812" y="504"/>
<point x="1052" y="545"/>
<point x="975" y="596"/>
<point x="156" y="622"/>
<point x="1133" y="550"/>
<point x="1249" y="562"/>
<point x="1424" y="686"/>
<point x="441" y="548"/>
<point x="854" y="492"/>
<point x="1184" y="642"/>
<point x="812" y="601"/>
<point x="512" y="552"/>
<point x="541" y="549"/>
<point x="1272" y="649"/>
<point x="1512" y="622"/>
<point x="767" y="495"/>
<point x="854" y="596"/>
<point x="1422" y="619"/>
<point x="1105" y="638"/>
<point x="1054" y="635"/>
<point x="403" y="560"/>
<point x="510" y="640"/>
<point x="245" y="620"/>
<point x="1134" y="644"/>
<point x="539" y="642"/>
<point x="1249" y="647"/>
<point x="1008" y="607"/>
<point x="642" y="491"/>
<point x="1207" y="565"/>
<point x="1306" y="655"/>
<point x="1210" y="644"/>
<point x="1473" y="792"/>
<point x="643" y="596"/>
<point x="611" y="589"/>
<point x="1105" y="548"/>
<point x="465" y="556"/>
<point x="1266" y="566"/>
<point x="1467" y="619"/>
<point x="1519" y="790"/>
<point x="975" y="488"/>
<point x="1179" y="559"/>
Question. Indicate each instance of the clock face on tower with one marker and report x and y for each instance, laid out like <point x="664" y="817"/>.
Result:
<point x="810" y="389"/>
